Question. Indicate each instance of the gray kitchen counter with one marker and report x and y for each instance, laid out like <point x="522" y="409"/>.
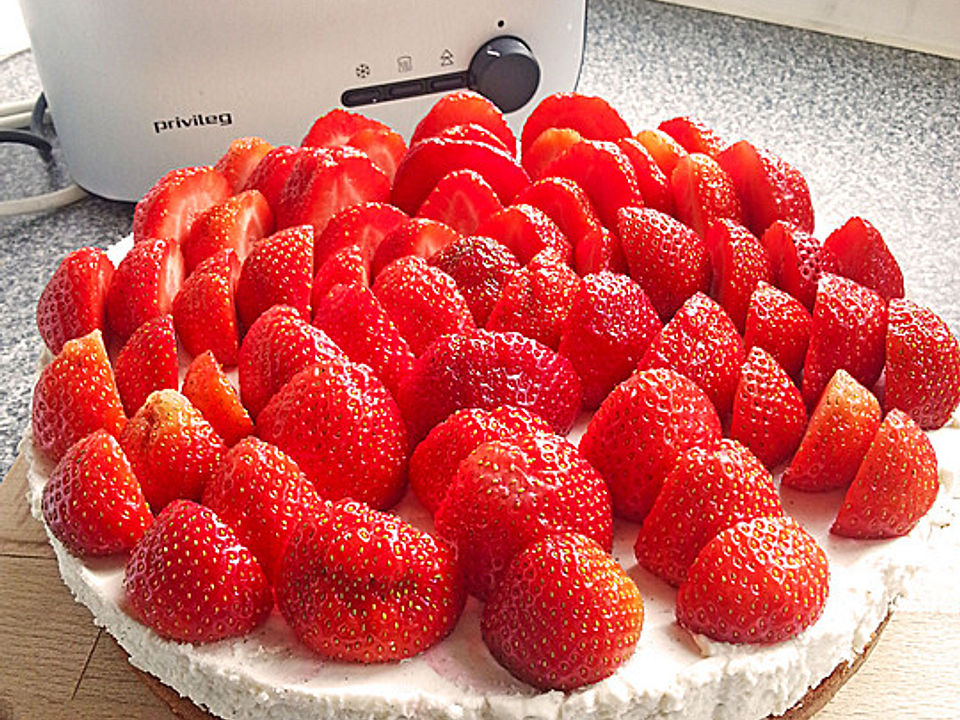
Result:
<point x="875" y="130"/>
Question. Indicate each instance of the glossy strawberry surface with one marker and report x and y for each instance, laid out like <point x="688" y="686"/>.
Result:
<point x="73" y="302"/>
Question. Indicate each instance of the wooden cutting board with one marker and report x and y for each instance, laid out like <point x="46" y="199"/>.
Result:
<point x="54" y="663"/>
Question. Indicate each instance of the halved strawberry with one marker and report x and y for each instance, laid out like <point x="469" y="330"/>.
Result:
<point x="461" y="200"/>
<point x="206" y="386"/>
<point x="598" y="251"/>
<point x="840" y="430"/>
<point x="593" y="117"/>
<point x="241" y="159"/>
<point x="525" y="231"/>
<point x="663" y="148"/>
<point x="205" y="311"/>
<point x="481" y="267"/>
<point x="364" y="224"/>
<point x="144" y="285"/>
<point x="703" y="192"/>
<point x="379" y="142"/>
<point x="347" y="266"/>
<point x="476" y="133"/>
<point x="641" y="429"/>
<point x="654" y="184"/>
<point x="780" y="324"/>
<point x="384" y="147"/>
<point x="191" y="580"/>
<point x="564" y="202"/>
<point x="922" y="365"/>
<point x="147" y="362"/>
<point x="75" y="395"/>
<point x="279" y="271"/>
<point x="271" y="173"/>
<point x="795" y="261"/>
<point x="237" y="224"/>
<point x="460" y="108"/>
<point x="708" y="490"/>
<point x="92" y="502"/>
<point x="169" y="208"/>
<point x="420" y="237"/>
<point x="896" y="483"/>
<point x="548" y="146"/>
<point x="694" y="135"/>
<point x="667" y="258"/>
<point x="74" y="300"/>
<point x="856" y="250"/>
<point x="739" y="263"/>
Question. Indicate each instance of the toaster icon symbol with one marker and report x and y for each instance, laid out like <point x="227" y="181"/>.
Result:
<point x="404" y="64"/>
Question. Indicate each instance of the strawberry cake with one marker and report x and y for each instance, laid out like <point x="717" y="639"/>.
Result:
<point x="585" y="423"/>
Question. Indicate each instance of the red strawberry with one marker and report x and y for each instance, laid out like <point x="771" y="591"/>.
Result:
<point x="839" y="432"/>
<point x="170" y="207"/>
<point x="739" y="262"/>
<point x="460" y="108"/>
<point x="857" y="251"/>
<point x="795" y="261"/>
<point x="384" y="147"/>
<point x="922" y="367"/>
<point x="549" y="145"/>
<point x="780" y="324"/>
<point x="418" y="595"/>
<point x="419" y="237"/>
<point x="536" y="300"/>
<point x="205" y="311"/>
<point x="75" y="395"/>
<point x="507" y="494"/>
<point x="566" y="204"/>
<point x="172" y="449"/>
<point x="147" y="362"/>
<point x="848" y="330"/>
<point x="525" y="231"/>
<point x="261" y="494"/>
<point x="896" y="483"/>
<point x="355" y="320"/>
<point x="461" y="200"/>
<point x="92" y="502"/>
<point x="324" y="181"/>
<point x="708" y="490"/>
<point x="599" y="251"/>
<point x="769" y="416"/>
<point x="702" y="192"/>
<point x="667" y="259"/>
<point x="640" y="431"/>
<point x="481" y="267"/>
<point x="144" y="285"/>
<point x="74" y="301"/>
<point x="236" y="223"/>
<point x="654" y="185"/>
<point x="191" y="580"/>
<point x="663" y="148"/>
<point x="241" y="159"/>
<point x="423" y="302"/>
<point x="339" y="127"/>
<point x="682" y="345"/>
<point x="694" y="135"/>
<point x="347" y="266"/>
<point x="342" y="427"/>
<point x="279" y="271"/>
<point x="364" y="224"/>
<point x="610" y="324"/>
<point x="428" y="161"/>
<point x="565" y="614"/>
<point x="434" y="463"/>
<point x="593" y="117"/>
<point x="760" y="581"/>
<point x="476" y="133"/>
<point x="206" y="386"/>
<point x="276" y="347"/>
<point x="271" y="173"/>
<point x="486" y="370"/>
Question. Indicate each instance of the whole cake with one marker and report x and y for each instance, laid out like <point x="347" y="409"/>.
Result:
<point x="592" y="428"/>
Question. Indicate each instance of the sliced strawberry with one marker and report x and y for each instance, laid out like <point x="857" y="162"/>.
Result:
<point x="739" y="262"/>
<point x="385" y="148"/>
<point x="75" y="395"/>
<point x="708" y="490"/>
<point x="769" y="416"/>
<point x="236" y="224"/>
<point x="848" y="331"/>
<point x="339" y="127"/>
<point x="896" y="483"/>
<point x="476" y="133"/>
<point x="548" y="146"/>
<point x="525" y="231"/>
<point x="841" y="428"/>
<point x="343" y="429"/>
<point x="922" y="366"/>
<point x="205" y="311"/>
<point x="780" y="324"/>
<point x="639" y="432"/>
<point x="566" y="203"/>
<point x="610" y="324"/>
<point x="654" y="184"/>
<point x="460" y="108"/>
<point x="694" y="135"/>
<point x="703" y="192"/>
<point x="147" y="362"/>
<point x="420" y="237"/>
<point x="486" y="370"/>
<point x="593" y="117"/>
<point x="760" y="581"/>
<point x="206" y="386"/>
<point x="74" y="301"/>
<point x="279" y="271"/>
<point x="92" y="502"/>
<point x="364" y="224"/>
<point x="347" y="266"/>
<point x="598" y="251"/>
<point x="271" y="173"/>
<point x="419" y="593"/>
<point x="241" y="159"/>
<point x="429" y="160"/>
<point x="170" y="207"/>
<point x="191" y="580"/>
<point x="461" y="200"/>
<point x="795" y="261"/>
<point x="507" y="494"/>
<point x="857" y="251"/>
<point x="665" y="151"/>
<point x="583" y="609"/>
<point x="481" y="267"/>
<point x="144" y="285"/>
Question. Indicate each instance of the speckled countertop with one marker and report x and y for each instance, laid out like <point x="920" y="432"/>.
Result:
<point x="875" y="130"/>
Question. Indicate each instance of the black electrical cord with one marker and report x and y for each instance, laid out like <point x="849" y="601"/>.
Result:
<point x="36" y="117"/>
<point x="34" y="136"/>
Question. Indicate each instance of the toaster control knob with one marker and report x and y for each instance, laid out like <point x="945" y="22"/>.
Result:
<point x="506" y="72"/>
